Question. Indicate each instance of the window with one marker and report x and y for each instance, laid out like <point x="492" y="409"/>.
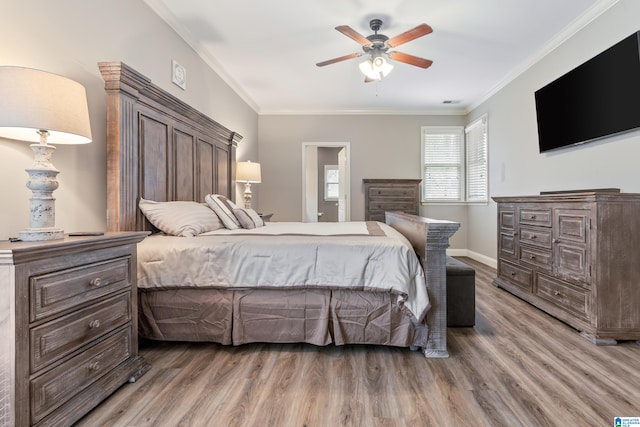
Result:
<point x="454" y="163"/>
<point x="331" y="183"/>
<point x="476" y="170"/>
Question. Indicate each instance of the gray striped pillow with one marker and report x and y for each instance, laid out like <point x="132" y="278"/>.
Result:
<point x="223" y="207"/>
<point x="248" y="218"/>
<point x="186" y="219"/>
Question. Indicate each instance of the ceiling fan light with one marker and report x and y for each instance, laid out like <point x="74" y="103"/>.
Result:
<point x="367" y="68"/>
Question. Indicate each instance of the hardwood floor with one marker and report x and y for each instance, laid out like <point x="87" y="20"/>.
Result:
<point x="516" y="367"/>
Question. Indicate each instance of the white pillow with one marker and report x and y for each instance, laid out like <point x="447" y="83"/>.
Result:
<point x="248" y="218"/>
<point x="223" y="207"/>
<point x="186" y="219"/>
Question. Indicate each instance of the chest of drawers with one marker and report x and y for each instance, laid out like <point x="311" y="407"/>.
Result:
<point x="381" y="195"/>
<point x="575" y="256"/>
<point x="68" y="328"/>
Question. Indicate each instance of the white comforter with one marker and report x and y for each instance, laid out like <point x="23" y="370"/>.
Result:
<point x="289" y="255"/>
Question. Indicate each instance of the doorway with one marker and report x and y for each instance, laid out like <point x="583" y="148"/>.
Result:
<point x="311" y="191"/>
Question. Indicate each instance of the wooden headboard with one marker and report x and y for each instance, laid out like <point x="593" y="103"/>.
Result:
<point x="159" y="148"/>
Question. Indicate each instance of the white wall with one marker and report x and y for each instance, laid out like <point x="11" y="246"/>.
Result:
<point x="69" y="37"/>
<point x="515" y="165"/>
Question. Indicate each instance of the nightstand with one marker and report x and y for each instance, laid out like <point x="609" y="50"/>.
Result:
<point x="68" y="326"/>
<point x="266" y="217"/>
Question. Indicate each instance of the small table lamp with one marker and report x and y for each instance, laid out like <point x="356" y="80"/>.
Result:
<point x="37" y="106"/>
<point x="247" y="172"/>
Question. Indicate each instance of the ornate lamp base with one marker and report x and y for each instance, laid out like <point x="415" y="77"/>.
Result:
<point x="247" y="195"/>
<point x="42" y="182"/>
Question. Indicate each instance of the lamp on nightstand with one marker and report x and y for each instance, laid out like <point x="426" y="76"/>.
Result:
<point x="248" y="172"/>
<point x="42" y="107"/>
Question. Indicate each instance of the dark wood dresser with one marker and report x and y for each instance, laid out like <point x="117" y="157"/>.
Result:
<point x="68" y="325"/>
<point x="575" y="256"/>
<point x="381" y="195"/>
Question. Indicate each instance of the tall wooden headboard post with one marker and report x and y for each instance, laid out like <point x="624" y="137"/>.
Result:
<point x="159" y="148"/>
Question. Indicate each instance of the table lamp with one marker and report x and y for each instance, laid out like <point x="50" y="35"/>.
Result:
<point x="38" y="106"/>
<point x="247" y="172"/>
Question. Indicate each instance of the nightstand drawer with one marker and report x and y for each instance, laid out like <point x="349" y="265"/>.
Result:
<point x="59" y="385"/>
<point x="53" y="340"/>
<point x="55" y="292"/>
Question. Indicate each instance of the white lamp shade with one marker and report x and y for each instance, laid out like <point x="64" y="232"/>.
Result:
<point x="32" y="100"/>
<point x="248" y="172"/>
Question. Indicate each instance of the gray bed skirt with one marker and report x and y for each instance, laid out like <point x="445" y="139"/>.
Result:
<point x="319" y="317"/>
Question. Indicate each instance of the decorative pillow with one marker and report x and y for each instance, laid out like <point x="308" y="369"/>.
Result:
<point x="186" y="219"/>
<point x="248" y="218"/>
<point x="223" y="207"/>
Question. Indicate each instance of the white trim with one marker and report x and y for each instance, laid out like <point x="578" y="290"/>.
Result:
<point x="488" y="261"/>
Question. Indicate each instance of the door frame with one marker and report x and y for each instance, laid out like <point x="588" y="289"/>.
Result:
<point x="310" y="180"/>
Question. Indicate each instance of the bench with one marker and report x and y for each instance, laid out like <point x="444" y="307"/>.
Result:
<point x="461" y="293"/>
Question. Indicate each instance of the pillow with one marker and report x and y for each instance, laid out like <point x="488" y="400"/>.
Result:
<point x="248" y="218"/>
<point x="186" y="219"/>
<point x="223" y="207"/>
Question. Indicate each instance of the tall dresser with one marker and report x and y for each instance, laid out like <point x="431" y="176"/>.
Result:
<point x="381" y="195"/>
<point x="68" y="326"/>
<point x="575" y="256"/>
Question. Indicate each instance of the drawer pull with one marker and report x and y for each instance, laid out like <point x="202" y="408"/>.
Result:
<point x="94" y="366"/>
<point x="94" y="324"/>
<point x="96" y="282"/>
<point x="513" y="274"/>
<point x="532" y="257"/>
<point x="533" y="236"/>
<point x="533" y="217"/>
<point x="557" y="293"/>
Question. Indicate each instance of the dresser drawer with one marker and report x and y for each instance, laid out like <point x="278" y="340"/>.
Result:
<point x="564" y="295"/>
<point x="53" y="340"/>
<point x="517" y="275"/>
<point x="540" y="217"/>
<point x="396" y="192"/>
<point x="55" y="292"/>
<point x="536" y="236"/>
<point x="59" y="385"/>
<point x="408" y="206"/>
<point x="539" y="257"/>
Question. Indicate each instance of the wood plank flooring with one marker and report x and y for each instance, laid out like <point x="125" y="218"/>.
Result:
<point x="516" y="367"/>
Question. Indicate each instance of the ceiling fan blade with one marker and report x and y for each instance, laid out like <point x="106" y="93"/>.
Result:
<point x="407" y="36"/>
<point x="353" y="34"/>
<point x="410" y="59"/>
<point x="342" y="58"/>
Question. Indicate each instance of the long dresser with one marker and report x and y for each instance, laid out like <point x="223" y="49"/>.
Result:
<point x="68" y="326"/>
<point x="575" y="256"/>
<point x="381" y="195"/>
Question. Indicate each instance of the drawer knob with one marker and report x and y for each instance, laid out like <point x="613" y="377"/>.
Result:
<point x="96" y="282"/>
<point x="557" y="293"/>
<point x="532" y="256"/>
<point x="533" y="217"/>
<point x="513" y="273"/>
<point x="94" y="366"/>
<point x="94" y="324"/>
<point x="533" y="236"/>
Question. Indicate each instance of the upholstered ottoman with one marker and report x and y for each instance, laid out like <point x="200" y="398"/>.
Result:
<point x="461" y="293"/>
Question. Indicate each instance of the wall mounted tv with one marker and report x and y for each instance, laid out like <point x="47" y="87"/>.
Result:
<point x="597" y="99"/>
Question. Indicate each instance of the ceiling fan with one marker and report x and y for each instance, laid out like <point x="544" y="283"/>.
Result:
<point x="377" y="46"/>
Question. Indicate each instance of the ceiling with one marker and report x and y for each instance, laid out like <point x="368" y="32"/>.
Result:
<point x="267" y="50"/>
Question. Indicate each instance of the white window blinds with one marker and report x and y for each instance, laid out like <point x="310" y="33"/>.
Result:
<point x="442" y="163"/>
<point x="477" y="161"/>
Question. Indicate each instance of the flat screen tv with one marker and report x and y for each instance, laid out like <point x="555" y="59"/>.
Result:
<point x="597" y="99"/>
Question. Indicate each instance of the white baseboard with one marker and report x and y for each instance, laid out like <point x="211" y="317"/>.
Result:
<point x="491" y="262"/>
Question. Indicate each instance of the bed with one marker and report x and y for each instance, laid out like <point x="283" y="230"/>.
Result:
<point x="161" y="149"/>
